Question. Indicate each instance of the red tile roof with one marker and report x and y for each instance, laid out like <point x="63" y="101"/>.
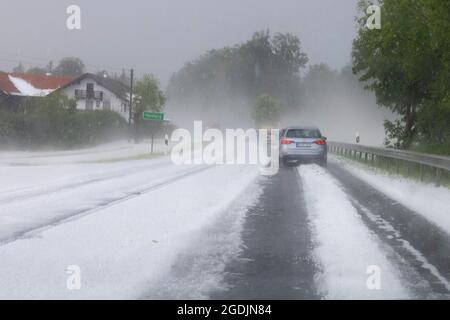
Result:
<point x="38" y="81"/>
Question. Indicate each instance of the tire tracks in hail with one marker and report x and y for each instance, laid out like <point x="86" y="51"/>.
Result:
<point x="32" y="232"/>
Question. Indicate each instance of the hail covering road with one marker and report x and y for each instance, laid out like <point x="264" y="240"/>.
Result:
<point x="142" y="228"/>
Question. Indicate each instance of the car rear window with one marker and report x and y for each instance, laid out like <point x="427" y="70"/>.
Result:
<point x="303" y="133"/>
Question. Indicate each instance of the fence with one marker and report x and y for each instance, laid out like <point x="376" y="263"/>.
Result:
<point x="385" y="156"/>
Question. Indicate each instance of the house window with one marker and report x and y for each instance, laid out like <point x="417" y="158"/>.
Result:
<point x="80" y="94"/>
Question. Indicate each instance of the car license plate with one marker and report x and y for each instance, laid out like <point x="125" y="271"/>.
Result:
<point x="303" y="145"/>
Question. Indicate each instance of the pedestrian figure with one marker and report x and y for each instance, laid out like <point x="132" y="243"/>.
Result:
<point x="166" y="142"/>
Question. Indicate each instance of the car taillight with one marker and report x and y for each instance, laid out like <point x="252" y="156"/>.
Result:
<point x="286" y="141"/>
<point x="320" y="142"/>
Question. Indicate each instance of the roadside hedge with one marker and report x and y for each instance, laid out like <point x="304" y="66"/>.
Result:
<point x="55" y="123"/>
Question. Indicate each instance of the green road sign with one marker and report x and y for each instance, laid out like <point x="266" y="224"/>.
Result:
<point x="158" y="116"/>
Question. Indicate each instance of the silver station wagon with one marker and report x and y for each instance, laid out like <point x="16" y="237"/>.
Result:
<point x="299" y="144"/>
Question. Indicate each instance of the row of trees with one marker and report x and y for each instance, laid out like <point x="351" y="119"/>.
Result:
<point x="407" y="65"/>
<point x="233" y="77"/>
<point x="260" y="80"/>
<point x="70" y="66"/>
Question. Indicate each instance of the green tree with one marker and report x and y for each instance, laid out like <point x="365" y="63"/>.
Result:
<point x="70" y="66"/>
<point x="148" y="97"/>
<point x="434" y="118"/>
<point x="289" y="56"/>
<point x="266" y="112"/>
<point x="405" y="62"/>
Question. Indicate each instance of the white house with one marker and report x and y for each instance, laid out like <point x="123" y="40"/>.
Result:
<point x="93" y="92"/>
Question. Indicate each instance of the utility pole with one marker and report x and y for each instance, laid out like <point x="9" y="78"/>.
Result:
<point x="131" y="97"/>
<point x="131" y="101"/>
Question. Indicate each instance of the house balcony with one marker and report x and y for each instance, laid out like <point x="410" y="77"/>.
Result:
<point x="85" y="94"/>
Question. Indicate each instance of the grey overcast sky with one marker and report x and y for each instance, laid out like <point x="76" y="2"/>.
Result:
<point x="159" y="36"/>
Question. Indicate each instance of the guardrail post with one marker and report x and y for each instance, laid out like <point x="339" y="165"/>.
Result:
<point x="398" y="166"/>
<point x="421" y="172"/>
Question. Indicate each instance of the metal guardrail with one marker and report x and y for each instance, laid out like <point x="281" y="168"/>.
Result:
<point x="366" y="153"/>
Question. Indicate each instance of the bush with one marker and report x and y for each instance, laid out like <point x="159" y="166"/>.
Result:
<point x="54" y="122"/>
<point x="266" y="112"/>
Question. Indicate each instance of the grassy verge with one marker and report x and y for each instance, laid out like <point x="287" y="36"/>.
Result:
<point x="412" y="171"/>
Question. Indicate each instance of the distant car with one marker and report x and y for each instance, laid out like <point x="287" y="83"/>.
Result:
<point x="303" y="144"/>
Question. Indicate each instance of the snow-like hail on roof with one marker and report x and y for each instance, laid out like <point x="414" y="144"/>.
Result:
<point x="26" y="89"/>
<point x="31" y="85"/>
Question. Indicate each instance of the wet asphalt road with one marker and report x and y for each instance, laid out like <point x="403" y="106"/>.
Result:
<point x="277" y="261"/>
<point x="402" y="229"/>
